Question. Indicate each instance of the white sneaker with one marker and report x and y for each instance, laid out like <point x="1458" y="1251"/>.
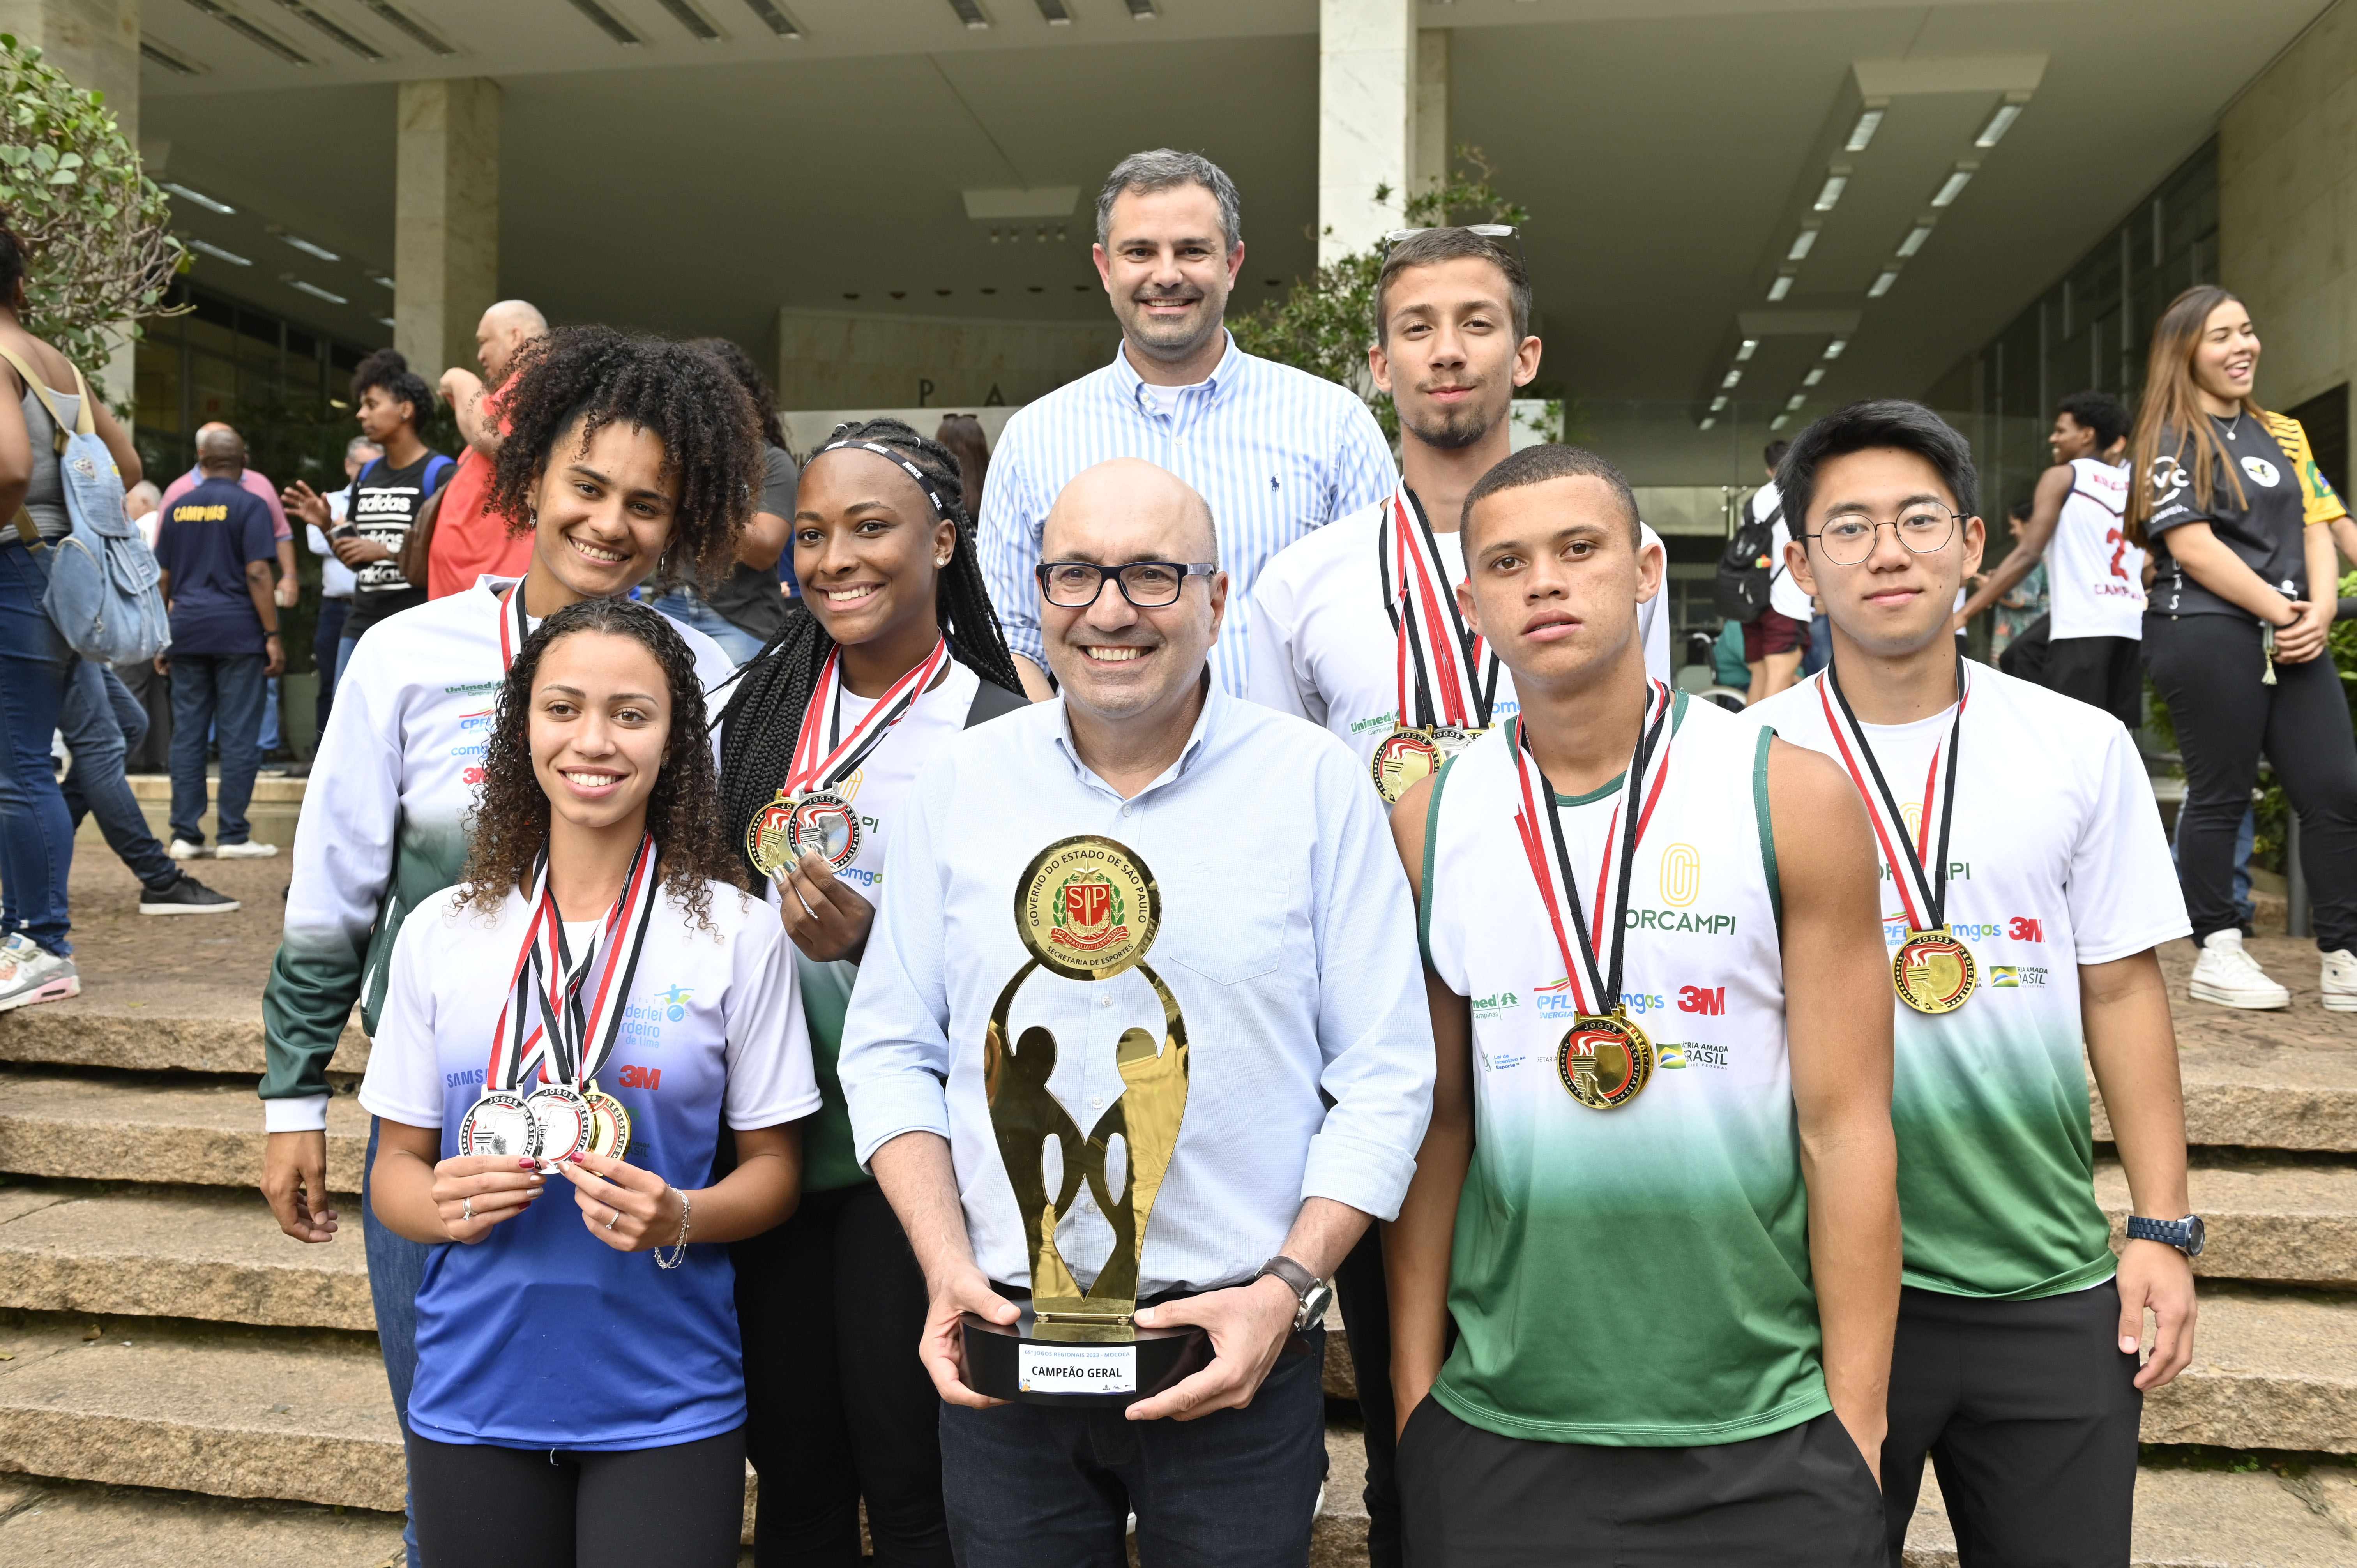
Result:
<point x="183" y="850"/>
<point x="2227" y="975"/>
<point x="250" y="850"/>
<point x="42" y="976"/>
<point x="2340" y="982"/>
<point x="17" y="948"/>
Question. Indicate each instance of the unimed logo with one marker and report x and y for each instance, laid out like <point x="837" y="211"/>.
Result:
<point x="1680" y="874"/>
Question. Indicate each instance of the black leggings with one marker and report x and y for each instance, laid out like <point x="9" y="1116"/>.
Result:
<point x="481" y="1507"/>
<point x="2208" y="667"/>
<point x="838" y="1407"/>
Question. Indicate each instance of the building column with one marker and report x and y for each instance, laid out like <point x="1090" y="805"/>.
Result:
<point x="445" y="248"/>
<point x="1430" y="165"/>
<point x="1366" y="119"/>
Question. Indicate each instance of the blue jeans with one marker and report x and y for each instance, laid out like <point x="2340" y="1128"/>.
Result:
<point x="344" y="646"/>
<point x="1820" y="652"/>
<point x="35" y="830"/>
<point x="1028" y="1484"/>
<point x="206" y="686"/>
<point x="269" y="741"/>
<point x="397" y="1268"/>
<point x="695" y="611"/>
<point x="325" y="642"/>
<point x="103" y="722"/>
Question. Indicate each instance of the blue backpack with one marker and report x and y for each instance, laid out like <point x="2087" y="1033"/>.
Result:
<point x="105" y="590"/>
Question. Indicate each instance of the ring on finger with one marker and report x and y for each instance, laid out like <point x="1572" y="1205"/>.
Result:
<point x="609" y="1224"/>
<point x="467" y="1210"/>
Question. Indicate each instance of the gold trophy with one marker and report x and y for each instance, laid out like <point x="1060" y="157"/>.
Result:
<point x="1087" y="908"/>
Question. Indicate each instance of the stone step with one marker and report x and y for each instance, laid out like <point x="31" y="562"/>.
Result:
<point x="2273" y="1218"/>
<point x="300" y="1416"/>
<point x="90" y="1526"/>
<point x="2202" y="1518"/>
<point x="124" y="1129"/>
<point x="2263" y="1080"/>
<point x="146" y="1026"/>
<point x="2271" y="1370"/>
<point x="209" y="1253"/>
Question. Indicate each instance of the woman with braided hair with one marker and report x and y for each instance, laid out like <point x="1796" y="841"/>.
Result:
<point x="892" y="650"/>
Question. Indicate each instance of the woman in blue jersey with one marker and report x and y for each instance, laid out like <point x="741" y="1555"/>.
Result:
<point x="891" y="651"/>
<point x="597" y="985"/>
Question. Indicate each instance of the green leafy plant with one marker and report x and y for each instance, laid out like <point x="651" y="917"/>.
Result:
<point x="1325" y="324"/>
<point x="98" y="250"/>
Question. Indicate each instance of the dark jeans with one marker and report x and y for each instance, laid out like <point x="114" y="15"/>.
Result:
<point x="837" y="1407"/>
<point x="1367" y="1318"/>
<point x="35" y="830"/>
<point x="330" y="631"/>
<point x="222" y="693"/>
<point x="102" y="723"/>
<point x="1032" y="1487"/>
<point x="397" y="1268"/>
<point x="681" y="1507"/>
<point x="153" y="692"/>
<point x="2207" y="669"/>
<point x="2029" y="654"/>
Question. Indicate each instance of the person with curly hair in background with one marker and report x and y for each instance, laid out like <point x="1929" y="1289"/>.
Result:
<point x="620" y="451"/>
<point x="601" y="893"/>
<point x="747" y="607"/>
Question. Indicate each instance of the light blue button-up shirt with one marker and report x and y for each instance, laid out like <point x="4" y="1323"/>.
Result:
<point x="1287" y="940"/>
<point x="1276" y="452"/>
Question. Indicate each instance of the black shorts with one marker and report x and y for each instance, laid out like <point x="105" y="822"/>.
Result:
<point x="2029" y="1411"/>
<point x="2106" y="671"/>
<point x="1802" y="1497"/>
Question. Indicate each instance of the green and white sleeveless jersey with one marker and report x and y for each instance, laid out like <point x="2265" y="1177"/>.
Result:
<point x="2055" y="859"/>
<point x="1636" y="1277"/>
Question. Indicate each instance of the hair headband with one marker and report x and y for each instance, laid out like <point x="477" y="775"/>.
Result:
<point x="924" y="481"/>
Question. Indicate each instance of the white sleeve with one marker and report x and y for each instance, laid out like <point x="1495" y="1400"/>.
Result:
<point x="1272" y="678"/>
<point x="2124" y="895"/>
<point x="404" y="1072"/>
<point x="896" y="1046"/>
<point x="770" y="1078"/>
<point x="1653" y="615"/>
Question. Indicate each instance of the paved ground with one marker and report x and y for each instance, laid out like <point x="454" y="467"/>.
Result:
<point x="193" y="965"/>
<point x="2292" y="962"/>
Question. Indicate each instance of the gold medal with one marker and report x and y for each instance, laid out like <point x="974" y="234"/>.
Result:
<point x="1450" y="739"/>
<point x="1933" y="972"/>
<point x="768" y="837"/>
<point x="1087" y="907"/>
<point x="1402" y="758"/>
<point x="1605" y="1060"/>
<point x="609" y="1124"/>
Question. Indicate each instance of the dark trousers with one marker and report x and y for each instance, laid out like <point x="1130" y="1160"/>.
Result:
<point x="2106" y="672"/>
<point x="2027" y="657"/>
<point x="329" y="632"/>
<point x="2207" y="669"/>
<point x="102" y="723"/>
<point x="36" y="831"/>
<point x="2029" y="1411"/>
<point x="223" y="692"/>
<point x="831" y="1304"/>
<point x="397" y="1268"/>
<point x="1367" y="1318"/>
<point x="481" y="1507"/>
<point x="1033" y="1487"/>
<point x="153" y="692"/>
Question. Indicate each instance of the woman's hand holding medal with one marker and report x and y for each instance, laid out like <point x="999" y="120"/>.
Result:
<point x="629" y="1208"/>
<point x="826" y="919"/>
<point x="474" y="1192"/>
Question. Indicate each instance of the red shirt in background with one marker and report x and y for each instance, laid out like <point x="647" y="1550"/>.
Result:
<point x="468" y="540"/>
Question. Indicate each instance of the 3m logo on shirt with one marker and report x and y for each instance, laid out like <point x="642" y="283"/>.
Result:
<point x="2025" y="929"/>
<point x="1494" y="1006"/>
<point x="2013" y="977"/>
<point x="648" y="1078"/>
<point x="1680" y="874"/>
<point x="1710" y="1001"/>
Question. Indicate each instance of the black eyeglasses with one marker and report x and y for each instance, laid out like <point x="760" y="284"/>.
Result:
<point x="1847" y="537"/>
<point x="1149" y="584"/>
<point x="1487" y="231"/>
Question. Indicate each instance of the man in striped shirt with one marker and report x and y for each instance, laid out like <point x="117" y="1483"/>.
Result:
<point x="1276" y="451"/>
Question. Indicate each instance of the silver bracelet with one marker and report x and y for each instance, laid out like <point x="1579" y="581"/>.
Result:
<point x="679" y="1248"/>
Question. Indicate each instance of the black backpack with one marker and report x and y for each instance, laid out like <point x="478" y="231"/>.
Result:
<point x="1739" y="592"/>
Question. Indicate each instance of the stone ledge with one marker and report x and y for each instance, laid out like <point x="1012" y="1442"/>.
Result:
<point x="2271" y="1220"/>
<point x="107" y="1030"/>
<point x="2270" y="1371"/>
<point x="2200" y="1518"/>
<point x="97" y="1129"/>
<point x="92" y="1526"/>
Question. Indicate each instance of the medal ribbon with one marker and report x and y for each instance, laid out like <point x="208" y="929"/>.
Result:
<point x="1434" y="640"/>
<point x="812" y="770"/>
<point x="1652" y="754"/>
<point x="1922" y="889"/>
<point x="556" y="1027"/>
<point x="513" y="628"/>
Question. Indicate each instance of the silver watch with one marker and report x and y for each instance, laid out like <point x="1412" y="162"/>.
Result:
<point x="1313" y="1293"/>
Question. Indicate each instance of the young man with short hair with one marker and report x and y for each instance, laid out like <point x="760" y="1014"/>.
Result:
<point x="1656" y="1201"/>
<point x="2027" y="886"/>
<point x="1276" y="451"/>
<point x="2095" y="576"/>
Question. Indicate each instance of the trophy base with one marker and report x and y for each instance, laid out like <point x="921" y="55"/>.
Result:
<point x="1081" y="1366"/>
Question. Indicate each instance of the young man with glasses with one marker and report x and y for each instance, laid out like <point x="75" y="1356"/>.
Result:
<point x="1276" y="452"/>
<point x="1282" y="946"/>
<point x="2026" y="888"/>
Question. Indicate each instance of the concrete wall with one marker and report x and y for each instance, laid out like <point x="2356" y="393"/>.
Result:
<point x="840" y="359"/>
<point x="2287" y="210"/>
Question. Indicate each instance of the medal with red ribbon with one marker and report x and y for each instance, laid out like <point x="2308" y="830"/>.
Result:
<point x="1604" y="1058"/>
<point x="513" y="627"/>
<point x="808" y="814"/>
<point x="1933" y="972"/>
<point x="1448" y="676"/>
<point x="557" y="1027"/>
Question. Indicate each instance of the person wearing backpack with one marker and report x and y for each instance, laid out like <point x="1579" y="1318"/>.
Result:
<point x="1755" y="587"/>
<point x="36" y="660"/>
<point x="216" y="547"/>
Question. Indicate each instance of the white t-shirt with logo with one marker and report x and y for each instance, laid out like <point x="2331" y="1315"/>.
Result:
<point x="2093" y="576"/>
<point x="1785" y="594"/>
<point x="1323" y="647"/>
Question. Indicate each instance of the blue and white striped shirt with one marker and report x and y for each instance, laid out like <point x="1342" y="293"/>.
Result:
<point x="1276" y="452"/>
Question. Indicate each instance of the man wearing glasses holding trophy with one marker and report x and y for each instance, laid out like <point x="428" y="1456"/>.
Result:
<point x="1138" y="1054"/>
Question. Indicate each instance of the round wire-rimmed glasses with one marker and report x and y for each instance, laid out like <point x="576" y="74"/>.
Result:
<point x="1848" y="537"/>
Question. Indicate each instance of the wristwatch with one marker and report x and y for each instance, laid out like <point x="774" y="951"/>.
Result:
<point x="2186" y="1235"/>
<point x="1313" y="1293"/>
